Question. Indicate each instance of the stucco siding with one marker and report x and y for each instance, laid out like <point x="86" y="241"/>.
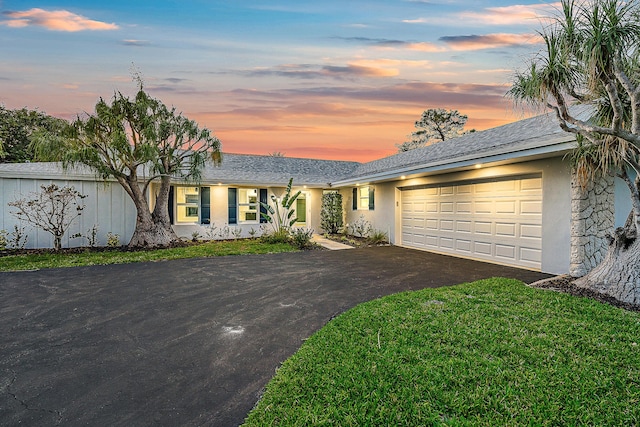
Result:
<point x="556" y="207"/>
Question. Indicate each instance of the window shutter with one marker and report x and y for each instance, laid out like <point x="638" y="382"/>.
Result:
<point x="233" y="206"/>
<point x="263" y="199"/>
<point x="371" y="198"/>
<point x="205" y="205"/>
<point x="170" y="204"/>
<point x="355" y="199"/>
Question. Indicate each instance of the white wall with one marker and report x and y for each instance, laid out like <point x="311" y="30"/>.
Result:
<point x="107" y="206"/>
<point x="220" y="211"/>
<point x="556" y="207"/>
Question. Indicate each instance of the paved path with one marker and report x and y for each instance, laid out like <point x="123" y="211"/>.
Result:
<point x="332" y="245"/>
<point x="185" y="342"/>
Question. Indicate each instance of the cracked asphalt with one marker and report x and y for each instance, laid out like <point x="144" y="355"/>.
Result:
<point x="185" y="342"/>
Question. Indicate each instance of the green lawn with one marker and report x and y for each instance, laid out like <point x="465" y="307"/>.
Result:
<point x="488" y="353"/>
<point x="48" y="260"/>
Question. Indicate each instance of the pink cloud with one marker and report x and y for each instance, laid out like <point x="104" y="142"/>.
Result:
<point x="56" y="20"/>
<point x="489" y="41"/>
<point x="512" y="15"/>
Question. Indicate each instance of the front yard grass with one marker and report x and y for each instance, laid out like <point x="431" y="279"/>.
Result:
<point x="492" y="352"/>
<point x="117" y="256"/>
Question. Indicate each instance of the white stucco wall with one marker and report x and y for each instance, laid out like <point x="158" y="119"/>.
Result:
<point x="556" y="207"/>
<point x="107" y="206"/>
<point x="220" y="211"/>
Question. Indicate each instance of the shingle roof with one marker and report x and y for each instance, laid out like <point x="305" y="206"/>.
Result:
<point x="272" y="170"/>
<point x="532" y="133"/>
<point x="234" y="169"/>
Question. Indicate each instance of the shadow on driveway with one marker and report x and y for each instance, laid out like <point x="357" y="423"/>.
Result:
<point x="186" y="342"/>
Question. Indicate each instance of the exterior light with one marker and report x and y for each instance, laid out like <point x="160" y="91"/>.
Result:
<point x="403" y="177"/>
<point x="478" y="165"/>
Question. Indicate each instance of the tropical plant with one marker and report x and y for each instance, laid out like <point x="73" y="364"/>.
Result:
<point x="136" y="142"/>
<point x="280" y="213"/>
<point x="51" y="209"/>
<point x="591" y="55"/>
<point x="377" y="237"/>
<point x="331" y="214"/>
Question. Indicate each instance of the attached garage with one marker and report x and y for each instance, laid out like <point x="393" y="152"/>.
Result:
<point x="497" y="220"/>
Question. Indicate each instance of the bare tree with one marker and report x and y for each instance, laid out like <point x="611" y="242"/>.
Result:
<point x="52" y="209"/>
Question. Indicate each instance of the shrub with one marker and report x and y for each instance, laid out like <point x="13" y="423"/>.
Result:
<point x="279" y="236"/>
<point x="113" y="240"/>
<point x="301" y="238"/>
<point x="361" y="227"/>
<point x="378" y="237"/>
<point x="17" y="238"/>
<point x="331" y="213"/>
<point x="4" y="239"/>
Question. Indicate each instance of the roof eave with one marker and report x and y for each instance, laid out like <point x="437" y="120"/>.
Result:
<point x="460" y="163"/>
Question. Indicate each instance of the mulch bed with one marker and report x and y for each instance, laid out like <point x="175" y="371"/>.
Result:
<point x="564" y="283"/>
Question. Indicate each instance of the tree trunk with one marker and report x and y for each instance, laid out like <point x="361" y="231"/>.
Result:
<point x="618" y="275"/>
<point x="151" y="230"/>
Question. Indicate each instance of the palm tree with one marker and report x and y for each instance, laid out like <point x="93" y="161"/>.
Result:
<point x="591" y="57"/>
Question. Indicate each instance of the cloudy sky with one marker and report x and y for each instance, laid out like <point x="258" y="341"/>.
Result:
<point x="322" y="79"/>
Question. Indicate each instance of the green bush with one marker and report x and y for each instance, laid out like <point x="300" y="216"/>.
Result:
<point x="301" y="238"/>
<point x="274" y="237"/>
<point x="378" y="237"/>
<point x="331" y="213"/>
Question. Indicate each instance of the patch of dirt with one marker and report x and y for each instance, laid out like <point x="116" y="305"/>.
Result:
<point x="356" y="242"/>
<point x="564" y="283"/>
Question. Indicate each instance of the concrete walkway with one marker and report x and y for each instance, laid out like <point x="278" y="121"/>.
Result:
<point x="329" y="244"/>
<point x="186" y="342"/>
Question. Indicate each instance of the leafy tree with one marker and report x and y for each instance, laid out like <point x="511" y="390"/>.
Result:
<point x="591" y="55"/>
<point x="136" y="142"/>
<point x="331" y="215"/>
<point x="19" y="128"/>
<point x="52" y="209"/>
<point x="435" y="125"/>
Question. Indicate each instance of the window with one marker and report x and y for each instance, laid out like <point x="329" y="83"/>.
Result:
<point x="187" y="204"/>
<point x="248" y="205"/>
<point x="363" y="198"/>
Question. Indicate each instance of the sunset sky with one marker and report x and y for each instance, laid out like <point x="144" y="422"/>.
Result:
<point x="323" y="79"/>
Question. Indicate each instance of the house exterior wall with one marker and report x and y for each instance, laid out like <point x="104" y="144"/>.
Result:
<point x="556" y="209"/>
<point x="219" y="220"/>
<point x="107" y="206"/>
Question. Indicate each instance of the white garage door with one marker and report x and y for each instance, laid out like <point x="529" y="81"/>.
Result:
<point x="498" y="221"/>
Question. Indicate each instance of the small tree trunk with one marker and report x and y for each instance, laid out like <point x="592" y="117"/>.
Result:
<point x="618" y="275"/>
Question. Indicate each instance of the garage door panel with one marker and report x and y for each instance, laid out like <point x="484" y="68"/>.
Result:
<point x="463" y="245"/>
<point x="531" y="207"/>
<point x="497" y="220"/>
<point x="506" y="229"/>
<point x="482" y="227"/>
<point x="483" y="248"/>
<point x="463" y="226"/>
<point x="531" y="230"/>
<point x="506" y="252"/>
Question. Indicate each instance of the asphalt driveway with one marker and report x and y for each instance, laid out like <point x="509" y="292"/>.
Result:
<point x="186" y="342"/>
